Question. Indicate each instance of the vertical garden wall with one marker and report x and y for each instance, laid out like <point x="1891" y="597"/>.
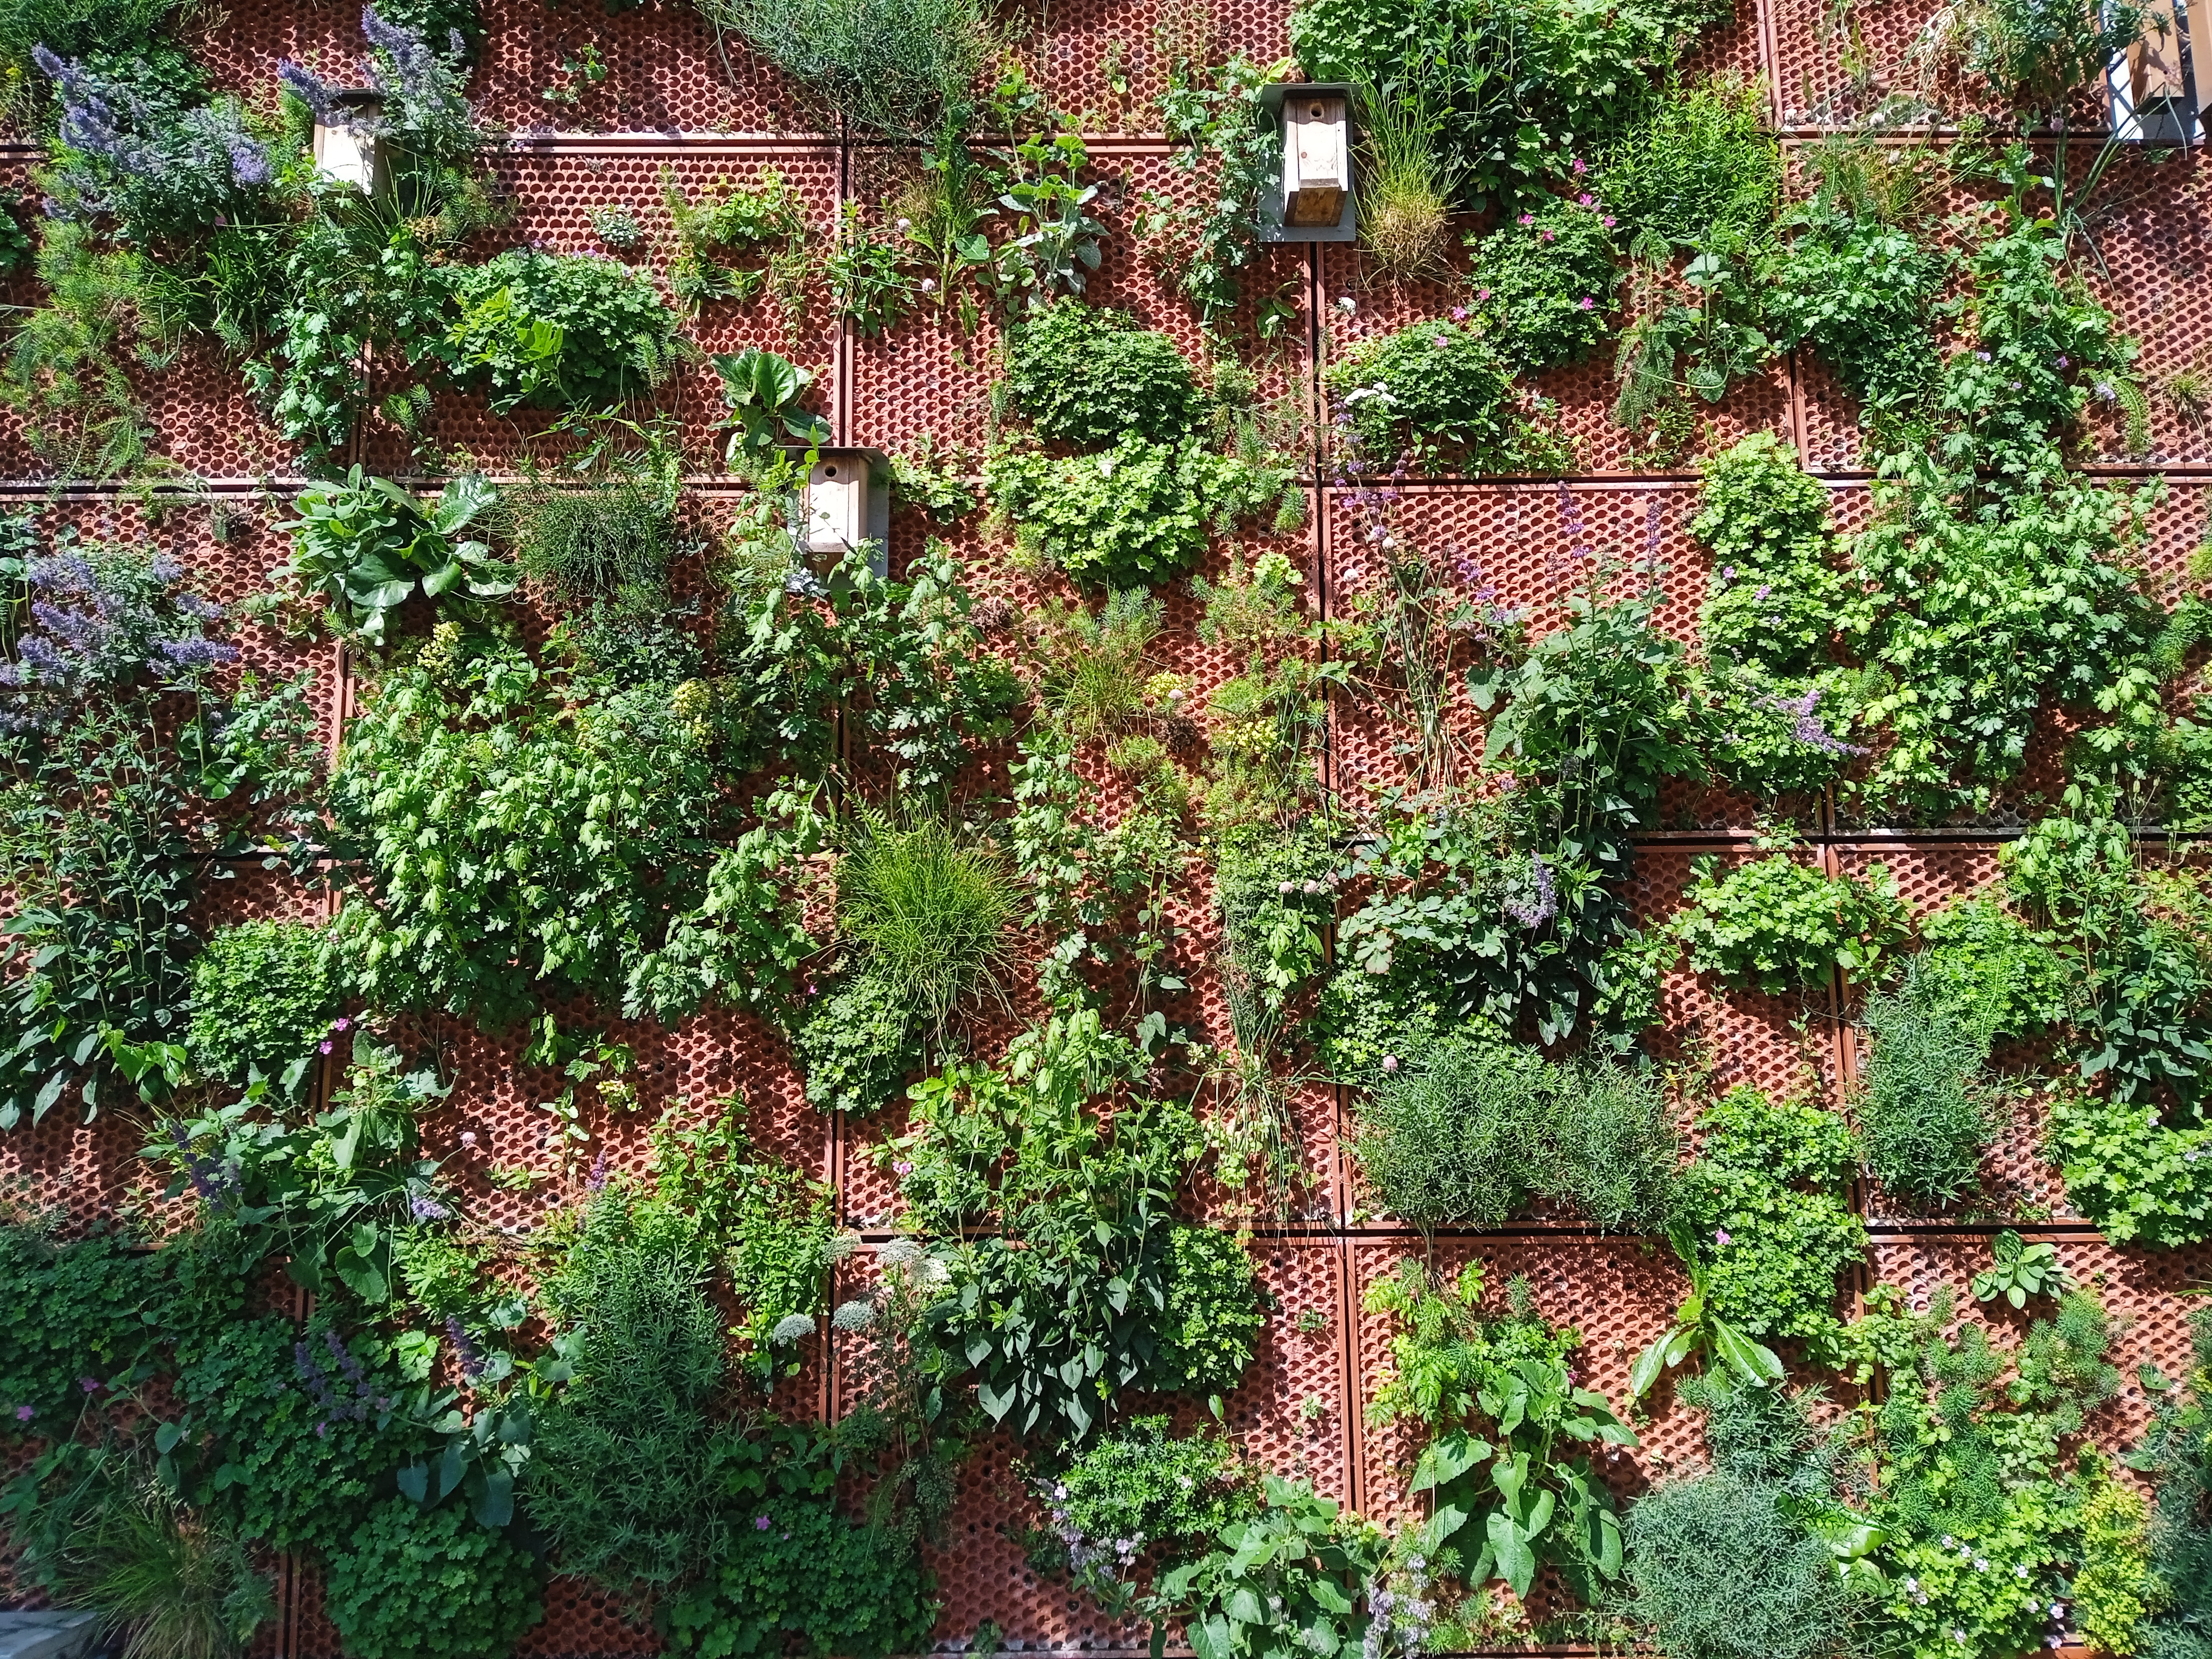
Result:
<point x="1566" y="832"/>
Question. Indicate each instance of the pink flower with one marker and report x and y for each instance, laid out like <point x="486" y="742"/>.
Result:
<point x="1585" y="198"/>
<point x="1721" y="1236"/>
<point x="1459" y="313"/>
<point x="762" y="1524"/>
<point x="341" y="1024"/>
<point x="1389" y="1062"/>
<point x="1578" y="166"/>
<point x="1547" y="235"/>
<point x="25" y="1414"/>
<point x="1483" y="294"/>
<point x="1608" y="221"/>
<point x="325" y="1045"/>
<point x="1528" y="218"/>
<point x="903" y="1167"/>
<point x="90" y="1384"/>
<point x="1586" y="304"/>
<point x="468" y="1137"/>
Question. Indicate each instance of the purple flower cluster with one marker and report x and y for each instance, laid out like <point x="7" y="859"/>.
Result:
<point x="345" y="1397"/>
<point x="419" y="90"/>
<point x="1807" y="728"/>
<point x="152" y="165"/>
<point x="215" y="1180"/>
<point x="1542" y="902"/>
<point x="98" y="623"/>
<point x="1091" y="1560"/>
<point x="1402" y="1612"/>
<point x="469" y="1357"/>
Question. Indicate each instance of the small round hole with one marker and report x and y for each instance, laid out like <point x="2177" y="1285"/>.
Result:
<point x="1313" y="114"/>
<point x="828" y="472"/>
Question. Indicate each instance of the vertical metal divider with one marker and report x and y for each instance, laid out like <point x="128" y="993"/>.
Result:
<point x="827" y="1403"/>
<point x="1351" y="1444"/>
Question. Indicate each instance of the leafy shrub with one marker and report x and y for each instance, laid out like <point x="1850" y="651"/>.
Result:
<point x="1130" y="1489"/>
<point x="264" y="994"/>
<point x="1698" y="171"/>
<point x="1979" y="1495"/>
<point x="1131" y="516"/>
<point x="127" y="768"/>
<point x="1546" y="284"/>
<point x="1298" y="1564"/>
<point x="1473" y="1137"/>
<point x="2115" y="1590"/>
<point x="800" y="1578"/>
<point x="1213" y="1314"/>
<point x="2177" y="1455"/>
<point x="108" y="30"/>
<point x="1778" y="924"/>
<point x="1074" y="1295"/>
<point x="1765" y="1202"/>
<point x="629" y="1472"/>
<point x="417" y="1583"/>
<point x="1980" y="953"/>
<point x="567" y="330"/>
<point x="1516" y="92"/>
<point x="1860" y="293"/>
<point x="2136" y="1178"/>
<point x="1085" y="374"/>
<point x="1435" y="389"/>
<point x="304" y="1428"/>
<point x="901" y="67"/>
<point x="1925" y="1113"/>
<point x="141" y="147"/>
<point x="576" y="834"/>
<point x="1723" y="1562"/>
<point x="1773" y="597"/>
<point x="102" y="1309"/>
<point x="1514" y="1495"/>
<point x="857" y="1045"/>
<point x="366" y="545"/>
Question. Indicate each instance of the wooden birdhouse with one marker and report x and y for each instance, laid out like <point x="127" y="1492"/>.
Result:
<point x="346" y="149"/>
<point x="848" y="505"/>
<point x="1311" y="200"/>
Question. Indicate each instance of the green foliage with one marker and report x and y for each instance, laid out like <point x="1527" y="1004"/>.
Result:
<point x="606" y="538"/>
<point x="2115" y="1590"/>
<point x="567" y="330"/>
<point x="1863" y="295"/>
<point x="1134" y="1488"/>
<point x="2136" y="1178"/>
<point x="1498" y="1506"/>
<point x="1980" y="954"/>
<point x="172" y="1584"/>
<point x="124" y="775"/>
<point x="1980" y="1512"/>
<point x="1519" y="91"/>
<point x="901" y="69"/>
<point x="2177" y="1455"/>
<point x="1546" y="284"/>
<point x="761" y="392"/>
<point x="366" y="546"/>
<point x="629" y="1474"/>
<point x="927" y="913"/>
<point x="1200" y="247"/>
<point x="1437" y="391"/>
<point x="264" y="994"/>
<point x="100" y="1309"/>
<point x="574" y="852"/>
<point x="728" y="223"/>
<point x="1474" y="1135"/>
<point x="857" y="1043"/>
<point x="2019" y="1270"/>
<point x="1772" y="598"/>
<point x="1131" y="516"/>
<point x="2030" y="58"/>
<point x="1087" y="375"/>
<point x="800" y="1578"/>
<point x="1755" y="1555"/>
<point x="417" y="1583"/>
<point x="1765" y="1203"/>
<point x="1284" y="1583"/>
<point x="1926" y="1112"/>
<point x="1779" y="924"/>
<point x="1699" y="170"/>
<point x="292" y="1436"/>
<point x="1076" y="1294"/>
